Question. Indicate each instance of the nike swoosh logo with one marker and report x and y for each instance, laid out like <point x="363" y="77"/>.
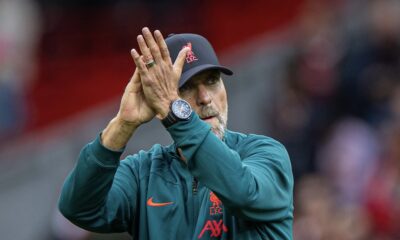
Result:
<point x="153" y="204"/>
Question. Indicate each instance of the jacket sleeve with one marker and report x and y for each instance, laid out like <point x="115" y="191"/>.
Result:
<point x="100" y="193"/>
<point x="256" y="184"/>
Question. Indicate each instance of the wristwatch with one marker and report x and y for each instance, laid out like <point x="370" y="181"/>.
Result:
<point x="179" y="110"/>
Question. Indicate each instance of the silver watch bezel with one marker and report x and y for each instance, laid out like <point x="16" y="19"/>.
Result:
<point x="180" y="113"/>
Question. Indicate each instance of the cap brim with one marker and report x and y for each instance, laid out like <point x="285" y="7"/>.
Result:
<point x="193" y="71"/>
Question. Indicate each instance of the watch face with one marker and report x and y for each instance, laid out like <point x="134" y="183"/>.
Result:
<point x="181" y="109"/>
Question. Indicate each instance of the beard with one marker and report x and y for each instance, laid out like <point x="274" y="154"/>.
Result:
<point x="222" y="117"/>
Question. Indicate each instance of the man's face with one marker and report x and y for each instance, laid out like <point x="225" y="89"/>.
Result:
<point x="206" y="94"/>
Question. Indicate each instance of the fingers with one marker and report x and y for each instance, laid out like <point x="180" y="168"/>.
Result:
<point x="144" y="49"/>
<point x="180" y="60"/>
<point x="141" y="66"/>
<point x="163" y="46"/>
<point x="135" y="84"/>
<point x="151" y="43"/>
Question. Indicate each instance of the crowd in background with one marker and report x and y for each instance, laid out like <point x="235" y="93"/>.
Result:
<point x="19" y="36"/>
<point x="339" y="116"/>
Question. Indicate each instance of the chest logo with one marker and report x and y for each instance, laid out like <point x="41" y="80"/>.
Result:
<point x="155" y="204"/>
<point x="190" y="57"/>
<point x="216" y="204"/>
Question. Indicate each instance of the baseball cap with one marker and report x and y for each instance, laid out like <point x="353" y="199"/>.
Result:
<point x="201" y="56"/>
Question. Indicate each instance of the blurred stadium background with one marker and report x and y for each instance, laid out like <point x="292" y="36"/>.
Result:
<point x="323" y="77"/>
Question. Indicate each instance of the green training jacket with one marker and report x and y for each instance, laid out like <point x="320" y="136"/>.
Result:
<point x="238" y="188"/>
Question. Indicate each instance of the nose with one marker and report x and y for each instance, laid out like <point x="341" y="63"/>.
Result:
<point x="203" y="96"/>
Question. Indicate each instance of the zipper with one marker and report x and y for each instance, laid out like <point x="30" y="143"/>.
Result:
<point x="195" y="185"/>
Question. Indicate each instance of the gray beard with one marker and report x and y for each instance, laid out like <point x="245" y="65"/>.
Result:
<point x="218" y="130"/>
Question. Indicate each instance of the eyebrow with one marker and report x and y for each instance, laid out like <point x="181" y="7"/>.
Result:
<point x="206" y="76"/>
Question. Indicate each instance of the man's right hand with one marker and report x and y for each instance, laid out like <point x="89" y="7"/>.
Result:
<point x="133" y="112"/>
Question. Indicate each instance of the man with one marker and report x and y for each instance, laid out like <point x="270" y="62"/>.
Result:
<point x="211" y="183"/>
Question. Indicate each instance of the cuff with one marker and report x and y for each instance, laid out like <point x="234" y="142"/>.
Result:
<point x="105" y="157"/>
<point x="191" y="129"/>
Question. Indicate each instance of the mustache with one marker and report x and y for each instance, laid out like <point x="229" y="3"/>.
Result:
<point x="208" y="111"/>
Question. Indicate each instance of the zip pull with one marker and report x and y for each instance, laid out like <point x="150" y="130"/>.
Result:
<point x="195" y="184"/>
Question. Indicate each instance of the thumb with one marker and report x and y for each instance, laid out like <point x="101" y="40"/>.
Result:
<point x="180" y="60"/>
<point x="134" y="84"/>
<point x="136" y="77"/>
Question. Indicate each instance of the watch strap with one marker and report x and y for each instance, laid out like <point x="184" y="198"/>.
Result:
<point x="169" y="120"/>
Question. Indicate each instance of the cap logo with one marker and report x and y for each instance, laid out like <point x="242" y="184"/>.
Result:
<point x="190" y="57"/>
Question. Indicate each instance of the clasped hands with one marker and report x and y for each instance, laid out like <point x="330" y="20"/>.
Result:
<point x="154" y="84"/>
